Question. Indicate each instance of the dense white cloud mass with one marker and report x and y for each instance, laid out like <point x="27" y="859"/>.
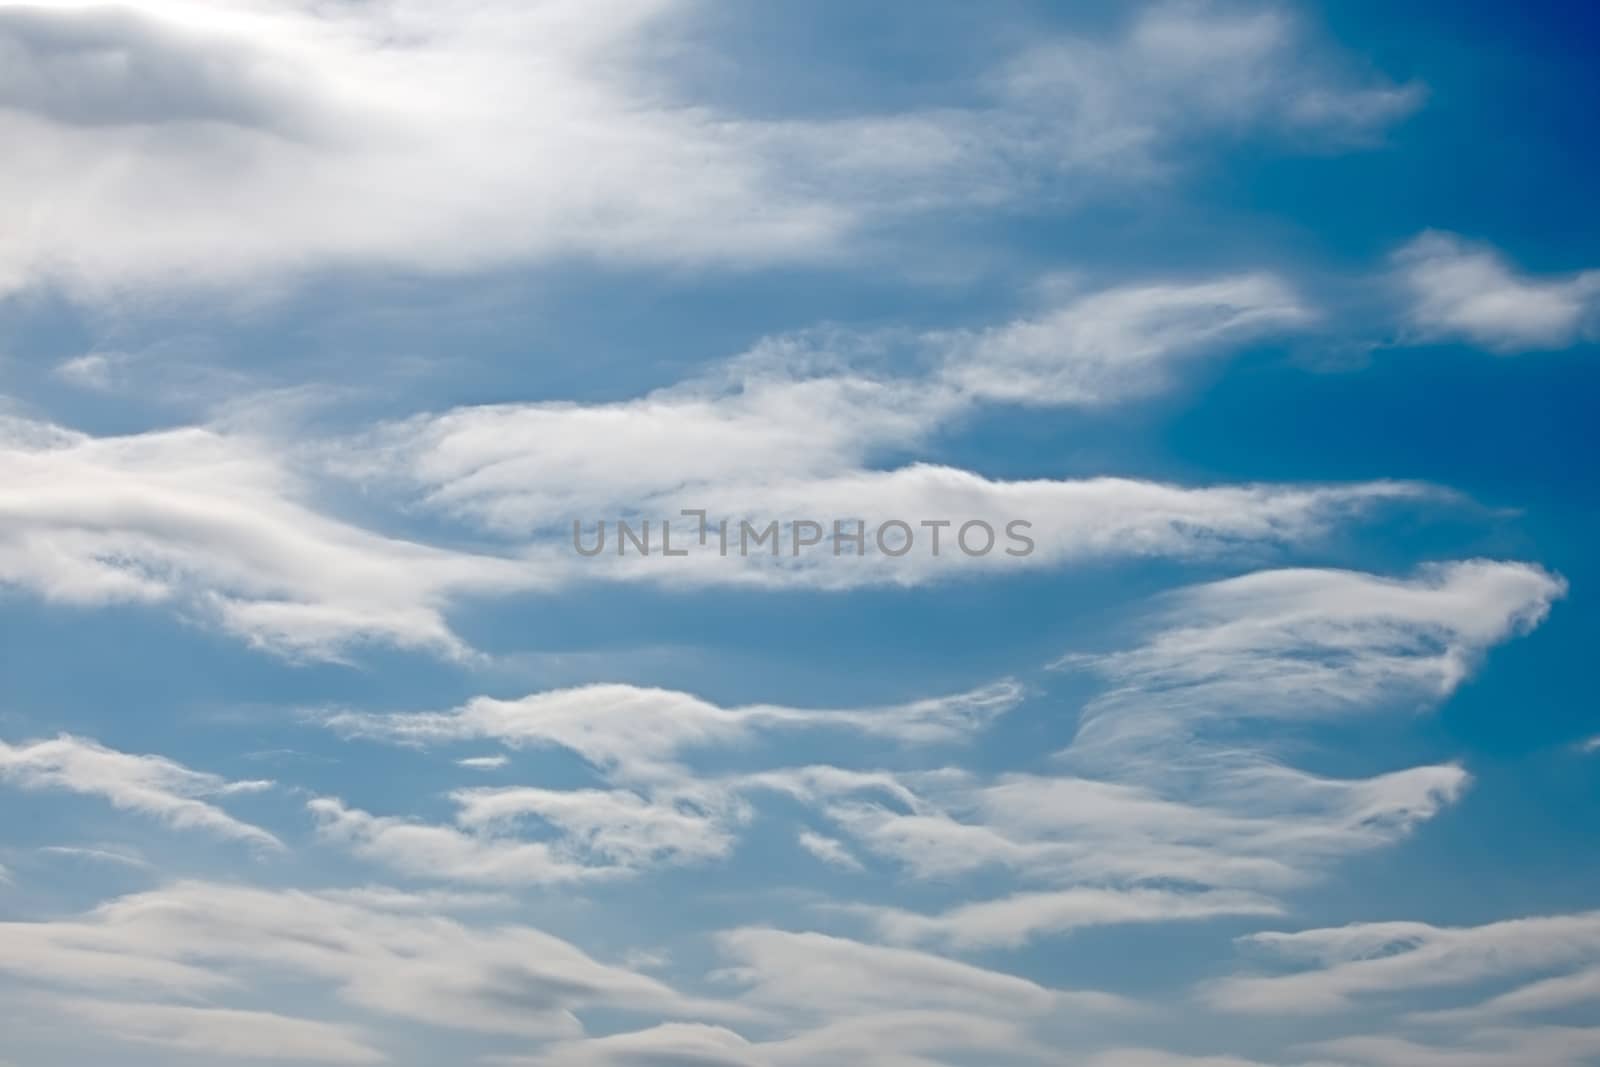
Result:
<point x="1462" y="291"/>
<point x="150" y="785"/>
<point x="181" y="142"/>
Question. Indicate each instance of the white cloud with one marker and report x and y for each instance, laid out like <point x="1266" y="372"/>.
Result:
<point x="829" y="850"/>
<point x="1009" y="922"/>
<point x="150" y="785"/>
<point x="1546" y="1046"/>
<point x="188" y="142"/>
<point x="218" y="1032"/>
<point x="630" y="735"/>
<point x="1146" y="1057"/>
<point x="1188" y="69"/>
<point x="891" y="1039"/>
<point x="691" y="1044"/>
<point x="239" y="525"/>
<point x="422" y="850"/>
<point x="217" y="525"/>
<point x="1352" y="964"/>
<point x="117" y="856"/>
<point x="813" y="429"/>
<point x="1302" y="643"/>
<point x="1153" y="822"/>
<point x="1118" y="343"/>
<point x="484" y="763"/>
<point x="609" y="826"/>
<point x="92" y="370"/>
<point x="401" y="962"/>
<point x="637" y="734"/>
<point x="814" y="973"/>
<point x="1462" y="291"/>
<point x="1158" y="819"/>
<point x="794" y="427"/>
<point x="1543" y="995"/>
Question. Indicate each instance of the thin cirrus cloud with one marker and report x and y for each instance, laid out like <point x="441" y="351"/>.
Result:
<point x="231" y="527"/>
<point x="1151" y="798"/>
<point x="633" y="733"/>
<point x="150" y="785"/>
<point x="1462" y="291"/>
<point x="217" y="1032"/>
<point x="1351" y="964"/>
<point x="817" y="428"/>
<point x="216" y="525"/>
<point x="1097" y="843"/>
<point x="846" y="1001"/>
<point x="1307" y="642"/>
<point x="1545" y="967"/>
<point x="797" y="421"/>
<point x="1147" y="820"/>
<point x="381" y="956"/>
<point x="380" y="135"/>
<point x="656" y="810"/>
<point x="1488" y="1046"/>
<point x="387" y="955"/>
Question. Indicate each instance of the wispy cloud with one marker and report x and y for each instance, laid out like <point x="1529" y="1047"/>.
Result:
<point x="1464" y="291"/>
<point x="407" y="962"/>
<point x="150" y="785"/>
<point x="343" y="149"/>
<point x="1364" y="960"/>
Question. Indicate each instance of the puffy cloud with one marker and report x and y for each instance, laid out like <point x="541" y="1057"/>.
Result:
<point x="1462" y="291"/>
<point x="150" y="785"/>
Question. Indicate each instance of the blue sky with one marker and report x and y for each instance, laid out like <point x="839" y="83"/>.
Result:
<point x="320" y="324"/>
